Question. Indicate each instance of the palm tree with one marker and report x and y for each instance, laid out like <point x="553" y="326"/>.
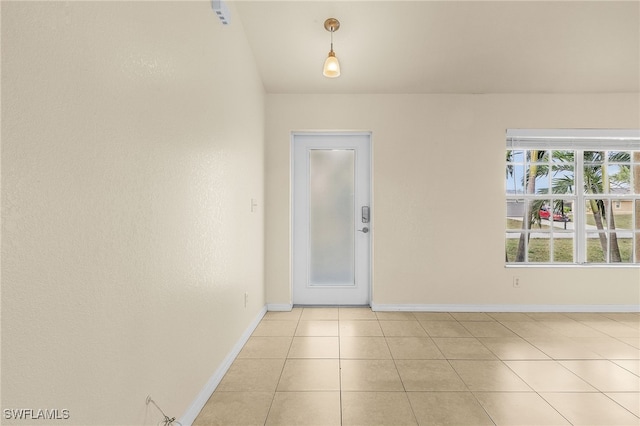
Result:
<point x="530" y="212"/>
<point x="596" y="179"/>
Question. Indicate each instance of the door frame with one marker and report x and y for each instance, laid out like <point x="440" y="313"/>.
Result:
<point x="371" y="226"/>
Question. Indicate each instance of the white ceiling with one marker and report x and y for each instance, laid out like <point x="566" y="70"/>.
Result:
<point x="447" y="46"/>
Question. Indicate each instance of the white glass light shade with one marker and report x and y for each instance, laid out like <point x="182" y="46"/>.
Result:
<point x="331" y="66"/>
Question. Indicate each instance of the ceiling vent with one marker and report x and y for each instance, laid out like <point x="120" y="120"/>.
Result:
<point x="221" y="11"/>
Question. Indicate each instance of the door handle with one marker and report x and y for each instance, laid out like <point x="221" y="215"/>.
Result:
<point x="364" y="230"/>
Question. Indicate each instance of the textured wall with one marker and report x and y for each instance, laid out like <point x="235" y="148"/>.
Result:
<point x="132" y="145"/>
<point x="438" y="198"/>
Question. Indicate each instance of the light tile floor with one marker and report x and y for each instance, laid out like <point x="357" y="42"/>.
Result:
<point x="352" y="366"/>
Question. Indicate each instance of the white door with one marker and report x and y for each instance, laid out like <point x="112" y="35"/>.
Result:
<point x="331" y="218"/>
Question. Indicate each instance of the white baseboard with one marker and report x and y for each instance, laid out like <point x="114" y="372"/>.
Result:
<point x="196" y="406"/>
<point x="505" y="308"/>
<point x="279" y="307"/>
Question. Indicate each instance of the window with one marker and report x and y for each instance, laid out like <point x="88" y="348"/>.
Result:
<point x="572" y="197"/>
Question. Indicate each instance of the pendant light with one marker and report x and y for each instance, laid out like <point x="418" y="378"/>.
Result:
<point x="331" y="65"/>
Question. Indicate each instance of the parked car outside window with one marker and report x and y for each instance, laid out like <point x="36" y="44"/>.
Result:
<point x="545" y="213"/>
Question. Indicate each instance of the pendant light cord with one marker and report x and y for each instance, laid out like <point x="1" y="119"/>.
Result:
<point x="331" y="39"/>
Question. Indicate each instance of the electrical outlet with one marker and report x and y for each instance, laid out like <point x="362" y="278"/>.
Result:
<point x="516" y="282"/>
<point x="246" y="299"/>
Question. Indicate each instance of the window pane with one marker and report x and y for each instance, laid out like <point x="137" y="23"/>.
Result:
<point x="514" y="247"/>
<point x="620" y="157"/>
<point x="544" y="210"/>
<point x="331" y="216"/>
<point x="511" y="246"/>
<point x="542" y="185"/>
<point x="539" y="248"/>
<point x="622" y="239"/>
<point x="542" y="178"/>
<point x="525" y="212"/>
<point x="622" y="215"/>
<point x="596" y="247"/>
<point x="563" y="248"/>
<point x="625" y="245"/>
<point x="536" y="172"/>
<point x="594" y="215"/>
<point x="515" y="213"/>
<point x="619" y="179"/>
<point x="593" y="161"/>
<point x="556" y="212"/>
<point x="546" y="156"/>
<point x="515" y="182"/>
<point x="532" y="216"/>
<point x="563" y="181"/>
<point x="565" y="209"/>
<point x="594" y="157"/>
<point x="516" y="156"/>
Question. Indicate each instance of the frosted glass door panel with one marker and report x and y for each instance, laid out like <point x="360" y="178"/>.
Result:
<point x="331" y="217"/>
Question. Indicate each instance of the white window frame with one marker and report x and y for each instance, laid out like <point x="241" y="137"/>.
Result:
<point x="578" y="141"/>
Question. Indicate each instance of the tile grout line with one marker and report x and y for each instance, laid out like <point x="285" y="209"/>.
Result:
<point x="406" y="395"/>
<point x="275" y="391"/>
<point x="469" y="389"/>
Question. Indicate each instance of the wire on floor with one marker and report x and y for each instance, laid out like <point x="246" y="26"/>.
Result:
<point x="168" y="421"/>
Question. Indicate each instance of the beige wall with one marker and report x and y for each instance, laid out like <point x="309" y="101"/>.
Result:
<point x="132" y="144"/>
<point x="428" y="149"/>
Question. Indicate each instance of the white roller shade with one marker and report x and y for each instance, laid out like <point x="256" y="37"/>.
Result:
<point x="587" y="139"/>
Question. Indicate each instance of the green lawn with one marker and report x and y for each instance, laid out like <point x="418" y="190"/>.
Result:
<point x="623" y="221"/>
<point x="563" y="250"/>
<point x="539" y="250"/>
<point x="517" y="224"/>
